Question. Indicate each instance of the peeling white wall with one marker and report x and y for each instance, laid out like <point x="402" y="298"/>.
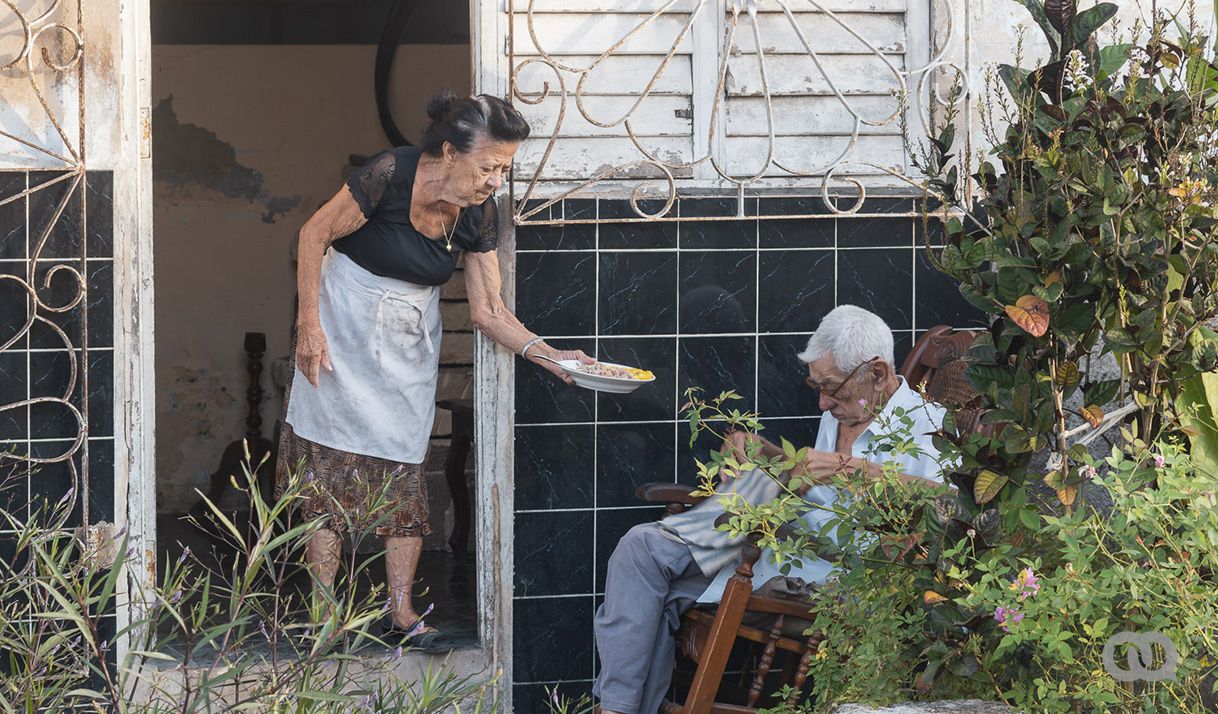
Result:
<point x="248" y="142"/>
<point x="22" y="115"/>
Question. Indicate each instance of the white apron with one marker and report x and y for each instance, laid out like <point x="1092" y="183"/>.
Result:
<point x="384" y="340"/>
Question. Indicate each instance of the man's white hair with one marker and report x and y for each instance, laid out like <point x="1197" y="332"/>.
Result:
<point x="853" y="336"/>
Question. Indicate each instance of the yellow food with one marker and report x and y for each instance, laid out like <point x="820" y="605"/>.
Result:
<point x="617" y="371"/>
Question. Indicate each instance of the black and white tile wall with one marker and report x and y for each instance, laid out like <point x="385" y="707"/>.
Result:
<point x="722" y="304"/>
<point x="57" y="351"/>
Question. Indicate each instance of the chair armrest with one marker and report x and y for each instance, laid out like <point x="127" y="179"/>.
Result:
<point x="676" y="495"/>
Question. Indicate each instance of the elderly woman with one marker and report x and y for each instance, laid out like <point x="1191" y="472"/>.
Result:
<point x="362" y="400"/>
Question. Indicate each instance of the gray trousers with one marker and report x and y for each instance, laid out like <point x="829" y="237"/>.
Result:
<point x="651" y="581"/>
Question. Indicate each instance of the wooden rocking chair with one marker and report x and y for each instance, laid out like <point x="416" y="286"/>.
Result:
<point x="777" y="623"/>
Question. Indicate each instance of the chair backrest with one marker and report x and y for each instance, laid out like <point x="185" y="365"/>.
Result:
<point x="936" y="366"/>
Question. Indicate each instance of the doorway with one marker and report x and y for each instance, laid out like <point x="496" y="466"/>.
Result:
<point x="260" y="108"/>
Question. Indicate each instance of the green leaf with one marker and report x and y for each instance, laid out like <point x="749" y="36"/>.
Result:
<point x="1112" y="58"/>
<point x="1037" y="9"/>
<point x="1015" y="79"/>
<point x="1200" y="75"/>
<point x="987" y="486"/>
<point x="1085" y="24"/>
<point x="1196" y="404"/>
<point x="1102" y="392"/>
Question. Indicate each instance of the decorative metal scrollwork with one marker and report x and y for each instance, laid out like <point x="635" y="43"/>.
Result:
<point x="566" y="80"/>
<point x="46" y="69"/>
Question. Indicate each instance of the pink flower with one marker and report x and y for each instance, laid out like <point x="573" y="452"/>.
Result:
<point x="1006" y="617"/>
<point x="1158" y="461"/>
<point x="1026" y="584"/>
<point x="1089" y="471"/>
<point x="862" y="402"/>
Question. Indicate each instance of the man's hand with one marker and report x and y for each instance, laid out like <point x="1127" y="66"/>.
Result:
<point x="820" y="467"/>
<point x="735" y="447"/>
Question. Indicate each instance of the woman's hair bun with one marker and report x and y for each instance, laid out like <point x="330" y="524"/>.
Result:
<point x="439" y="105"/>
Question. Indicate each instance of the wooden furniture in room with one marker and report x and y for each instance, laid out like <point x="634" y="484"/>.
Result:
<point x="776" y="623"/>
<point x="454" y="469"/>
<point x="261" y="450"/>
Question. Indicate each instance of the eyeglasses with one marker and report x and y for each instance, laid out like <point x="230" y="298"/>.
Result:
<point x="832" y="393"/>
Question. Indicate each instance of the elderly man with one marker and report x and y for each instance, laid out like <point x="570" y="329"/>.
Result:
<point x="659" y="570"/>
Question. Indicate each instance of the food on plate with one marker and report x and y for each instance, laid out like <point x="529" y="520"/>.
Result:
<point x="615" y="371"/>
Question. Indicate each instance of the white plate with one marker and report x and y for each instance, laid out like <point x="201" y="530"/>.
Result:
<point x="600" y="383"/>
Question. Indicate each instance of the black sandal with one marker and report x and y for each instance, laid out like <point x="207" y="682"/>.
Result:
<point x="426" y="641"/>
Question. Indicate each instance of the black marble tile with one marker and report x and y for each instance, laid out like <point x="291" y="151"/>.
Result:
<point x="929" y="230"/>
<point x="578" y="236"/>
<point x="717" y="364"/>
<point x="555" y="292"/>
<point x="902" y="343"/>
<point x="578" y="209"/>
<point x="14" y="304"/>
<point x="727" y="233"/>
<point x="886" y="204"/>
<point x="64" y="289"/>
<point x="553" y="553"/>
<point x="50" y="483"/>
<point x="554" y="467"/>
<point x="795" y="290"/>
<point x="12" y="217"/>
<point x="541" y="398"/>
<point x="13" y="553"/>
<point x="101" y="303"/>
<point x="795" y="232"/>
<point x="13" y="383"/>
<point x="629" y="455"/>
<point x="101" y="480"/>
<point x="649" y="402"/>
<point x="99" y="218"/>
<point x="627" y="236"/>
<point x="101" y="393"/>
<point x="638" y="293"/>
<point x="611" y="525"/>
<point x="939" y="301"/>
<point x="534" y="698"/>
<point x="688" y="456"/>
<point x="51" y="375"/>
<point x="780" y="377"/>
<point x="800" y="432"/>
<point x="878" y="280"/>
<point x="718" y="292"/>
<point x="873" y="232"/>
<point x="552" y="639"/>
<point x="66" y="234"/>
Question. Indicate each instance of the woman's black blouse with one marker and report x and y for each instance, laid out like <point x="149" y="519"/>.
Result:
<point x="388" y="245"/>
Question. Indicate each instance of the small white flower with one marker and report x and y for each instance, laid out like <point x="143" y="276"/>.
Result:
<point x="1076" y="76"/>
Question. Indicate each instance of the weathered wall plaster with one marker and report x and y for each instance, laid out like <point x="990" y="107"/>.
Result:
<point x="248" y="142"/>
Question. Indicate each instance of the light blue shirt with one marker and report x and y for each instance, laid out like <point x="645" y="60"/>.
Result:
<point x="927" y="418"/>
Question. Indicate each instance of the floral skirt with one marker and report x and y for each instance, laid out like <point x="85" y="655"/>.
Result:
<point x="352" y="490"/>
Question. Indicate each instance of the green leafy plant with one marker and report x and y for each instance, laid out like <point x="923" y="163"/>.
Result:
<point x="1092" y="230"/>
<point x="240" y="638"/>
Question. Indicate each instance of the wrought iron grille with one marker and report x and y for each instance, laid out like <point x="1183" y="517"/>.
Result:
<point x="559" y="83"/>
<point x="44" y="253"/>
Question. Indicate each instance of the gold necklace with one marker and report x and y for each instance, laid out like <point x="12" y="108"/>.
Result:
<point x="448" y="236"/>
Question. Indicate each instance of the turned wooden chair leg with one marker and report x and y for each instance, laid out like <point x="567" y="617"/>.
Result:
<point x="801" y="674"/>
<point x="767" y="661"/>
<point x="454" y="473"/>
